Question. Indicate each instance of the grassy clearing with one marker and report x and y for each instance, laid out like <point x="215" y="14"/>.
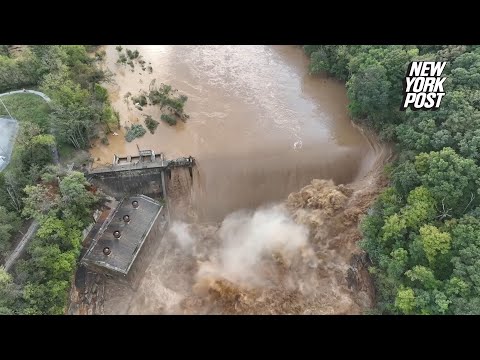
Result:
<point x="30" y="108"/>
<point x="27" y="108"/>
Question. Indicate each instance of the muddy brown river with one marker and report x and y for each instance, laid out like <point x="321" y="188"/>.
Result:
<point x="260" y="128"/>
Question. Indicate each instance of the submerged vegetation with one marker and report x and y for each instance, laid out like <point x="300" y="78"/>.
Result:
<point x="151" y="124"/>
<point x="165" y="97"/>
<point x="140" y="99"/>
<point x="132" y="54"/>
<point x="423" y="233"/>
<point x="129" y="57"/>
<point x="135" y="131"/>
<point x="171" y="104"/>
<point x="169" y="119"/>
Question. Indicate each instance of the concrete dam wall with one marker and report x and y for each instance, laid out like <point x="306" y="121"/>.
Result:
<point x="143" y="174"/>
<point x="130" y="182"/>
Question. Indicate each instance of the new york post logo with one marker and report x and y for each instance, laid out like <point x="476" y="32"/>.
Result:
<point x="423" y="85"/>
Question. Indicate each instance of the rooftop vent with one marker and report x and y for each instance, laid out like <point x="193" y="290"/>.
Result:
<point x="107" y="251"/>
<point x="116" y="234"/>
<point x="126" y="218"/>
<point x="135" y="204"/>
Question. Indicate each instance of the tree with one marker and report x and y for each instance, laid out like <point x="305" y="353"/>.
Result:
<point x="48" y="59"/>
<point x="405" y="300"/>
<point x="332" y="59"/>
<point x="37" y="151"/>
<point x="466" y="251"/>
<point x="368" y="92"/>
<point x="50" y="262"/>
<point x="450" y="52"/>
<point x="77" y="200"/>
<point x="416" y="134"/>
<point x="394" y="229"/>
<point x="466" y="70"/>
<point x="450" y="178"/>
<point x="397" y="263"/>
<point x="388" y="204"/>
<point x="420" y="208"/>
<point x="75" y="112"/>
<point x="66" y="234"/>
<point x="424" y="276"/>
<point x="40" y="200"/>
<point x="75" y="54"/>
<point x="11" y="185"/>
<point x="27" y="132"/>
<point x="8" y="293"/>
<point x="16" y="72"/>
<point x="9" y="224"/>
<point x="435" y="242"/>
<point x="46" y="299"/>
<point x="405" y="177"/>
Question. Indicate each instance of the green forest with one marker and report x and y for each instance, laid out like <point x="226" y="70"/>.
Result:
<point x="423" y="233"/>
<point x="33" y="186"/>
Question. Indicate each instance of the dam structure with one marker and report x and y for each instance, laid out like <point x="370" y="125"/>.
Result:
<point x="138" y="174"/>
<point x="124" y="237"/>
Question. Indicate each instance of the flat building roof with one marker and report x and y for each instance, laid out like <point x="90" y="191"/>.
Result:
<point x="121" y="237"/>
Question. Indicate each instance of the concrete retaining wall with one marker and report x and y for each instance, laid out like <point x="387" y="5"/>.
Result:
<point x="125" y="183"/>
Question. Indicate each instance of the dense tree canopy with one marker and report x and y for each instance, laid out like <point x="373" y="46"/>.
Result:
<point x="8" y="293"/>
<point x="61" y="201"/>
<point x="423" y="232"/>
<point x="8" y="226"/>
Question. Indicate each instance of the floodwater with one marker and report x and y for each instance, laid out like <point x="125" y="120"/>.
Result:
<point x="260" y="126"/>
<point x="252" y="233"/>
